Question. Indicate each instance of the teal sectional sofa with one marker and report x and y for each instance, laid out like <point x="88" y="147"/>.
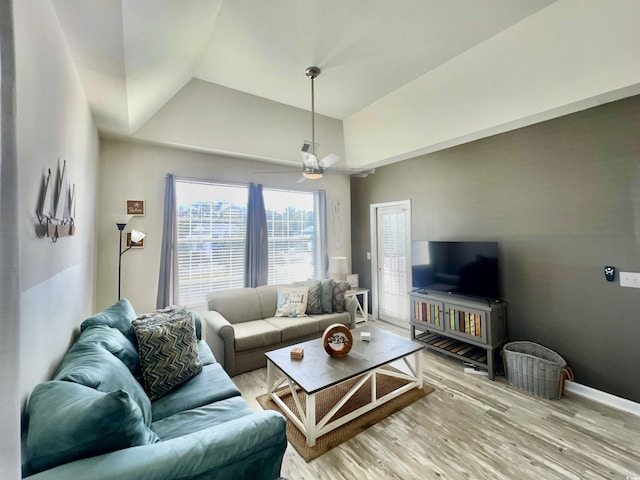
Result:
<point x="95" y="421"/>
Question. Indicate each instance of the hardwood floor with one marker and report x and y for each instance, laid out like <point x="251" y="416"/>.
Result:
<point x="473" y="428"/>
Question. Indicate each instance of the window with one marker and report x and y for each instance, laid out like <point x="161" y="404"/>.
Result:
<point x="294" y="235"/>
<point x="211" y="230"/>
<point x="211" y="235"/>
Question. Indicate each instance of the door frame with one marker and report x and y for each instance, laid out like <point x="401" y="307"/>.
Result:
<point x="373" y="222"/>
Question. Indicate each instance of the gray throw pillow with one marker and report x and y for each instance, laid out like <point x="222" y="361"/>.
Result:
<point x="326" y="299"/>
<point x="168" y="351"/>
<point x="339" y="289"/>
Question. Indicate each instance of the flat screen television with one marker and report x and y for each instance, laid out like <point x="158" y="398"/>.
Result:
<point x="462" y="268"/>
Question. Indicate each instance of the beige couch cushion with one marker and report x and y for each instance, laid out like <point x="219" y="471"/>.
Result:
<point x="268" y="295"/>
<point x="292" y="328"/>
<point x="255" y="334"/>
<point x="236" y="304"/>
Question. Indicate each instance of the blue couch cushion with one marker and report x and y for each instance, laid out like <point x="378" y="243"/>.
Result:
<point x="91" y="365"/>
<point x="205" y="354"/>
<point x="212" y="384"/>
<point x="196" y="419"/>
<point x="68" y="421"/>
<point x="112" y="340"/>
<point x="119" y="316"/>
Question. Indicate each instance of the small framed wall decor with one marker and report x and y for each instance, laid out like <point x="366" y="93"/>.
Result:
<point x="131" y="244"/>
<point x="353" y="279"/>
<point x="135" y="207"/>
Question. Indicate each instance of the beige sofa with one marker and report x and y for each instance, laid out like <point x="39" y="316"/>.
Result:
<point x="241" y="326"/>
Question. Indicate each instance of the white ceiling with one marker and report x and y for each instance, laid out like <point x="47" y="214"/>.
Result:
<point x="133" y="56"/>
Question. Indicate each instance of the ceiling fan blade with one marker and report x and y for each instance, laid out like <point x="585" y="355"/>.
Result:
<point x="310" y="160"/>
<point x="329" y="160"/>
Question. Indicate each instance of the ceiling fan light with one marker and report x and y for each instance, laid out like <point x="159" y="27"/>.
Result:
<point x="312" y="173"/>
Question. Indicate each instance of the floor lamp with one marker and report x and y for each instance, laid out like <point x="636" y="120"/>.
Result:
<point x="136" y="237"/>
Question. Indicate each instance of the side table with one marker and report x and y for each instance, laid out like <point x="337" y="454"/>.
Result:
<point x="360" y="307"/>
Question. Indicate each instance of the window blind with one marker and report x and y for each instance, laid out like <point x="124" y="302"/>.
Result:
<point x="211" y="229"/>
<point x="211" y="224"/>
<point x="292" y="218"/>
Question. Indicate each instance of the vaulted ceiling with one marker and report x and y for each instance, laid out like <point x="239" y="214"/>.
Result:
<point x="133" y="57"/>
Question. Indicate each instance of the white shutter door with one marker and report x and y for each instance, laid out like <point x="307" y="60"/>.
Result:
<point x="392" y="264"/>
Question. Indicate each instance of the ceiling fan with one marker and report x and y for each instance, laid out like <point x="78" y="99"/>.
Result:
<point x="312" y="168"/>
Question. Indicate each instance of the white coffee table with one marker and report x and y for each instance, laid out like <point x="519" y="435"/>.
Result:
<point x="317" y="371"/>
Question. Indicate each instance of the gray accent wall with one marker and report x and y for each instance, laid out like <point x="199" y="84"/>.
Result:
<point x="562" y="199"/>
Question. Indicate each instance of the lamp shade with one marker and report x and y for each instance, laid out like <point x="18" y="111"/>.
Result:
<point x="121" y="219"/>
<point x="338" y="268"/>
<point x="137" y="236"/>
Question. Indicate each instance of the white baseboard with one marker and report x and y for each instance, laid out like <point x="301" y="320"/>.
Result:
<point x="603" y="397"/>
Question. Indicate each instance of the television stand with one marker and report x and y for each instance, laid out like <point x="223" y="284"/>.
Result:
<point x="469" y="329"/>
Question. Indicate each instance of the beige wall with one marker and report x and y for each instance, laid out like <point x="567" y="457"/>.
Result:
<point x="53" y="123"/>
<point x="562" y="198"/>
<point x="218" y="119"/>
<point x="137" y="171"/>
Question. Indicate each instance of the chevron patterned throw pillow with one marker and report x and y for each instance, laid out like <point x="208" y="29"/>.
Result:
<point x="168" y="350"/>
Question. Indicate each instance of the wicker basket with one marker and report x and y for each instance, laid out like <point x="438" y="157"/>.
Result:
<point x="535" y="369"/>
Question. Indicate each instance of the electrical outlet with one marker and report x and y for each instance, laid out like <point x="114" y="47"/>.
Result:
<point x="630" y="279"/>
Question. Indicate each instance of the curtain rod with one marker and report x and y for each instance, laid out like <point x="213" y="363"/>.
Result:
<point x="205" y="181"/>
<point x="210" y="181"/>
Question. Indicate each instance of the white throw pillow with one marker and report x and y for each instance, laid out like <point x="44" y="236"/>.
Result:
<point x="292" y="301"/>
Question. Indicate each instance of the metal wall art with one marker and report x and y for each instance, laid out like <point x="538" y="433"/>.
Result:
<point x="56" y="208"/>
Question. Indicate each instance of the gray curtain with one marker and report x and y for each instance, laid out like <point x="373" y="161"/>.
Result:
<point x="257" y="249"/>
<point x="9" y="252"/>
<point x="167" y="283"/>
